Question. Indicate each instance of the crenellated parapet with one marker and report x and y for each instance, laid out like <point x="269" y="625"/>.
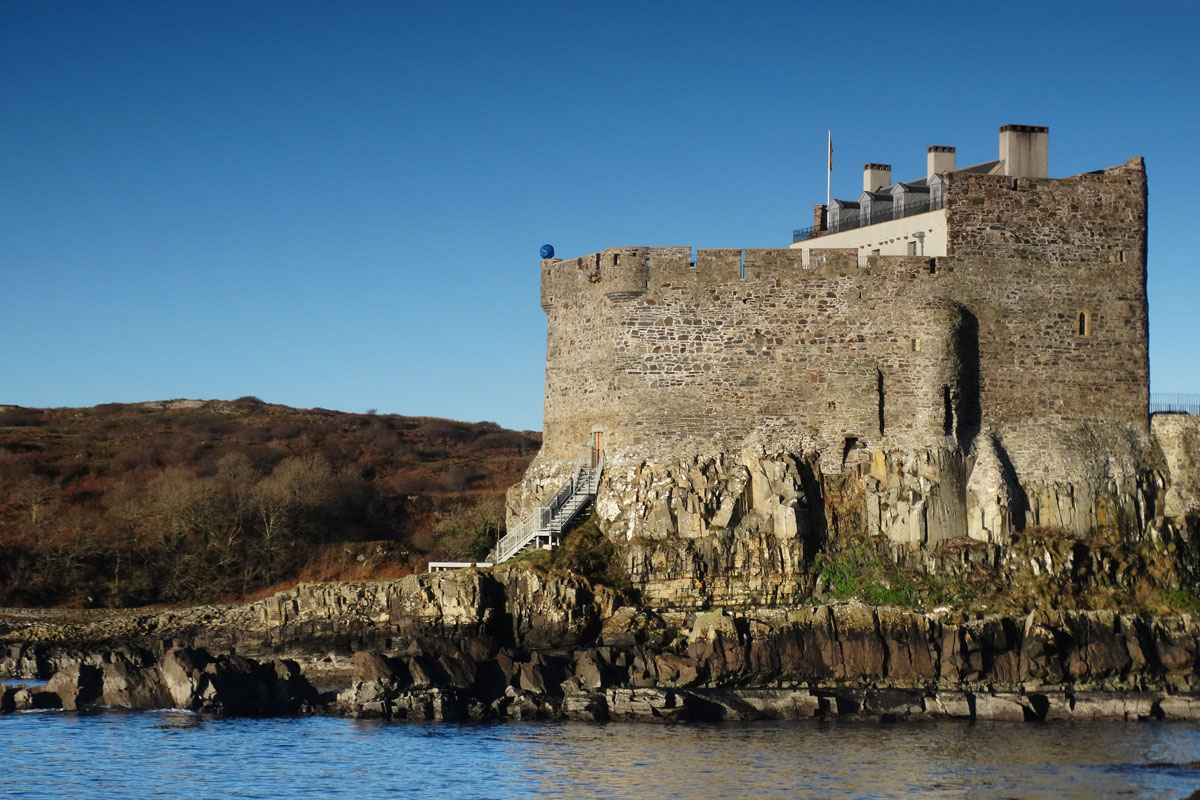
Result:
<point x="621" y="274"/>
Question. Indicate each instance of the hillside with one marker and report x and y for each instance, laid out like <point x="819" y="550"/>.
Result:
<point x="193" y="501"/>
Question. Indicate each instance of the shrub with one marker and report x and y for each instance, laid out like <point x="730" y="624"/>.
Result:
<point x="459" y="477"/>
<point x="588" y="552"/>
<point x="21" y="418"/>
<point x="284" y="430"/>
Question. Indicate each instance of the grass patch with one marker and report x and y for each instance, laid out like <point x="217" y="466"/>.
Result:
<point x="859" y="572"/>
<point x="1181" y="600"/>
<point x="585" y="551"/>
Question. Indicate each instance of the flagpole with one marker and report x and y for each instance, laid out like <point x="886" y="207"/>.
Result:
<point x="828" y="167"/>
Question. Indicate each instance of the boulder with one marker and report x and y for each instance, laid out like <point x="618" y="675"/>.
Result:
<point x="585" y="707"/>
<point x="182" y="672"/>
<point x="125" y="686"/>
<point x="77" y="685"/>
<point x="373" y="667"/>
<point x="643" y="704"/>
<point x="459" y="670"/>
<point x="587" y="672"/>
<point x="23" y="698"/>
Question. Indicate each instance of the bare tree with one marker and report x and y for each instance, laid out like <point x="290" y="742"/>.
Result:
<point x="294" y="489"/>
<point x="126" y="509"/>
<point x="35" y="494"/>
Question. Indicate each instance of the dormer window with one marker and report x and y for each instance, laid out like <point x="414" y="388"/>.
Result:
<point x="937" y="185"/>
<point x="843" y="215"/>
<point x="876" y="206"/>
<point x="909" y="199"/>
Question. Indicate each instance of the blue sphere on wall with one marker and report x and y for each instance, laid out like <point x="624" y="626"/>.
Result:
<point x="547" y="251"/>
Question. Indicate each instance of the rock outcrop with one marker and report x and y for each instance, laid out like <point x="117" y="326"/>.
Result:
<point x="701" y="525"/>
<point x="829" y="660"/>
<point x="518" y="643"/>
<point x="191" y="680"/>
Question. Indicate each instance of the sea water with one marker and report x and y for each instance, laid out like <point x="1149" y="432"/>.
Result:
<point x="176" y="754"/>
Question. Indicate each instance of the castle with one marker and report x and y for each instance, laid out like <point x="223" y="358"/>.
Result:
<point x="962" y="355"/>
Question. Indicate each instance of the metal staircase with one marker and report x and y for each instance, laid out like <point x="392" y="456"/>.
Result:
<point x="544" y="527"/>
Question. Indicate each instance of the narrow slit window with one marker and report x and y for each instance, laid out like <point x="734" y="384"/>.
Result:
<point x="1083" y="324"/>
<point x="947" y="412"/>
<point x="880" y="396"/>
<point x="616" y="259"/>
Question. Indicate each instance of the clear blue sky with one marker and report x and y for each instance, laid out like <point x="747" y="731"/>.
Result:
<point x="341" y="204"/>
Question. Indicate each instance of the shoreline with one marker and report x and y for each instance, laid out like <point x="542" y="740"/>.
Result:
<point x="736" y="706"/>
<point x="518" y="644"/>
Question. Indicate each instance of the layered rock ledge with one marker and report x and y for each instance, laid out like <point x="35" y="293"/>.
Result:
<point x="517" y="643"/>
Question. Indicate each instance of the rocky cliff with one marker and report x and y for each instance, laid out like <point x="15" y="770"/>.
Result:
<point x="709" y="523"/>
<point x="523" y="643"/>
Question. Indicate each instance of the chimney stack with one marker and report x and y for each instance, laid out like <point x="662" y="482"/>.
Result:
<point x="938" y="158"/>
<point x="820" y="214"/>
<point x="876" y="177"/>
<point x="1023" y="148"/>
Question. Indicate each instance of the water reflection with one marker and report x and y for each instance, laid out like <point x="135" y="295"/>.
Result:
<point x="176" y="754"/>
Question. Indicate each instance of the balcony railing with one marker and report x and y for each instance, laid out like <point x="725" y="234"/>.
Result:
<point x="855" y="218"/>
<point x="1179" y="403"/>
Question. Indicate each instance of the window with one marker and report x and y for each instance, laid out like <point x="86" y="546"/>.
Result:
<point x="1083" y="324"/>
<point x="912" y="248"/>
<point x="879" y="393"/>
<point x="874" y="252"/>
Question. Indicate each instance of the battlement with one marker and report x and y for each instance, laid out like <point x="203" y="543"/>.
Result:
<point x="620" y="274"/>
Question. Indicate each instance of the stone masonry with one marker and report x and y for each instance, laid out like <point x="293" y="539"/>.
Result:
<point x="972" y="395"/>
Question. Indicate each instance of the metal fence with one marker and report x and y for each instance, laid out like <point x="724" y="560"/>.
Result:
<point x="851" y="219"/>
<point x="1179" y="403"/>
<point x="885" y="213"/>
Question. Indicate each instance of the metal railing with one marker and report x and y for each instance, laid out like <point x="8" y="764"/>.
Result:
<point x="852" y="219"/>
<point x="543" y="527"/>
<point x="1178" y="403"/>
<point x="446" y="566"/>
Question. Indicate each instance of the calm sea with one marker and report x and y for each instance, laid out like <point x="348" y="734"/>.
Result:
<point x="174" y="754"/>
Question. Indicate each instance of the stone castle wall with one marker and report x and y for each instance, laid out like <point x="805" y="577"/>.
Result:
<point x="656" y="348"/>
<point x="1001" y="386"/>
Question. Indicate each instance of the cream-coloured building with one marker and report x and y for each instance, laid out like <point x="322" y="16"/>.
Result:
<point x="909" y="218"/>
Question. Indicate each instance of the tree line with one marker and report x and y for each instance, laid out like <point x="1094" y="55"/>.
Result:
<point x="128" y="505"/>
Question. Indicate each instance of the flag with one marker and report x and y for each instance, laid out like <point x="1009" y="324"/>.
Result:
<point x="830" y="151"/>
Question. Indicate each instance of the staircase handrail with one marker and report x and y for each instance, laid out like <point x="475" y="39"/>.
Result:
<point x="542" y="520"/>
